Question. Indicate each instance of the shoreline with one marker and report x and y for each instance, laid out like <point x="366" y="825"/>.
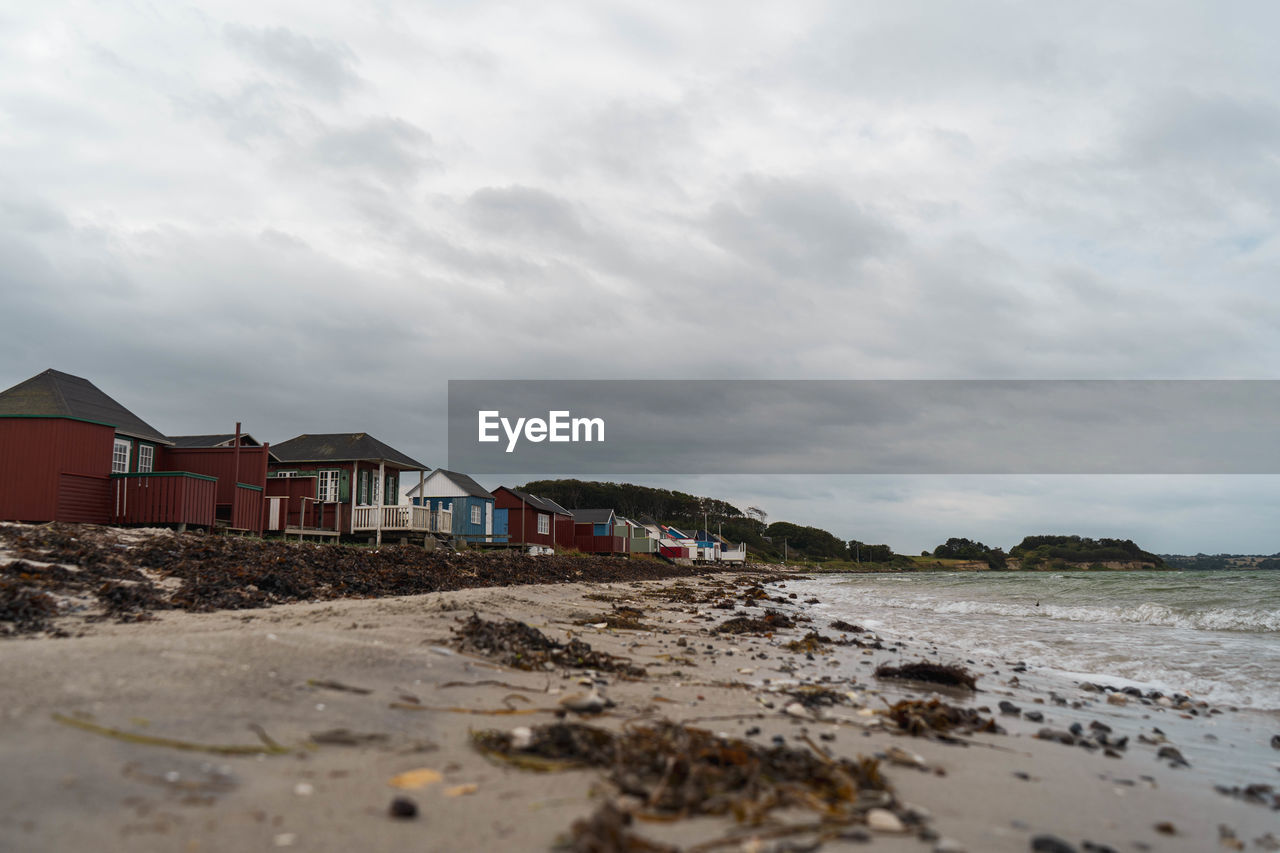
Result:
<point x="217" y="678"/>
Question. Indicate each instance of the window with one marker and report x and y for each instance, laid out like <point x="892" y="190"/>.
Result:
<point x="286" y="473"/>
<point x="544" y="523"/>
<point x="376" y="497"/>
<point x="362" y="493"/>
<point x="146" y="458"/>
<point x="120" y="456"/>
<point x="328" y="486"/>
<point x="476" y="515"/>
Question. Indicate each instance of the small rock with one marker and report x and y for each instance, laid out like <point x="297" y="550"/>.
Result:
<point x="1166" y="828"/>
<point x="1173" y="756"/>
<point x="1034" y="716"/>
<point x="1275" y="741"/>
<point x="1117" y="699"/>
<point x="883" y="820"/>
<point x="1050" y="844"/>
<point x="403" y="808"/>
<point x="303" y="789"/>
<point x="1007" y="707"/>
<point x="1056" y="735"/>
<point x="949" y="845"/>
<point x="800" y="712"/>
<point x="285" y="839"/>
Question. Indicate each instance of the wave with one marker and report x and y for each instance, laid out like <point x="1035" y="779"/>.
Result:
<point x="1147" y="613"/>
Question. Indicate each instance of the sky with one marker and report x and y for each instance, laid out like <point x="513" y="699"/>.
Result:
<point x="309" y="217"/>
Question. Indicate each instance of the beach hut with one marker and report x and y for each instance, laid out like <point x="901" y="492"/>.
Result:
<point x="598" y="531"/>
<point x="356" y="490"/>
<point x="470" y="504"/>
<point x="524" y="519"/>
<point x="70" y="452"/>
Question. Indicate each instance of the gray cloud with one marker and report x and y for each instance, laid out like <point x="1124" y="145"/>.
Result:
<point x="313" y="230"/>
<point x="389" y="148"/>
<point x="322" y="66"/>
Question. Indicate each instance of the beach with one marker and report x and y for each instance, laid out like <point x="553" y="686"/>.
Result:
<point x="350" y="695"/>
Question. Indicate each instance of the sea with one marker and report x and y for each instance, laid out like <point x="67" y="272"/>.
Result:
<point x="1211" y="635"/>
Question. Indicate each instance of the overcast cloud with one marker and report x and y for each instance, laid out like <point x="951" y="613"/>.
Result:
<point x="308" y="218"/>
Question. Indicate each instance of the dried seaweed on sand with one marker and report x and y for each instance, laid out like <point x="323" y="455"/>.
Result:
<point x="518" y="645"/>
<point x="951" y="675"/>
<point x="677" y="771"/>
<point x="935" y="718"/>
<point x="771" y="621"/>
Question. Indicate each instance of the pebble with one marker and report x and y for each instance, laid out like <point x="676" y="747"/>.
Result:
<point x="1117" y="699"/>
<point x="1050" y="844"/>
<point x="403" y="808"/>
<point x="1275" y="741"/>
<point x="1164" y="827"/>
<point x="1173" y="755"/>
<point x="583" y="703"/>
<point x="1034" y="716"/>
<point x="883" y="820"/>
<point x="1007" y="707"/>
<point x="949" y="845"/>
<point x="285" y="839"/>
<point x="795" y="709"/>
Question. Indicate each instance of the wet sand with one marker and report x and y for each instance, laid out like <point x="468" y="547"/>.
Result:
<point x="229" y="678"/>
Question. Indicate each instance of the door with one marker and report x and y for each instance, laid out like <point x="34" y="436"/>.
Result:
<point x="273" y="513"/>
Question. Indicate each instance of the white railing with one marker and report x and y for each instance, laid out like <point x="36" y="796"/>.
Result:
<point x="416" y="518"/>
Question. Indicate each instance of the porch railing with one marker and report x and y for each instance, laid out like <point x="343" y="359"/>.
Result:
<point x="419" y="519"/>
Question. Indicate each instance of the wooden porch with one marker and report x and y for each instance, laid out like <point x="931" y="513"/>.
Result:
<point x="397" y="519"/>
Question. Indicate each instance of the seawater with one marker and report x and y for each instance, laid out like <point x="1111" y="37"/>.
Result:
<point x="1212" y="635"/>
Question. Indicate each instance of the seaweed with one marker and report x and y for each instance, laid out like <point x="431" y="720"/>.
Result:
<point x="811" y="642"/>
<point x="268" y="746"/>
<point x="203" y="572"/>
<point x="606" y="830"/>
<point x="771" y="621"/>
<point x="26" y="610"/>
<point x="846" y="627"/>
<point x="627" y="618"/>
<point x="677" y="771"/>
<point x="518" y="645"/>
<point x="935" y="718"/>
<point x="950" y="675"/>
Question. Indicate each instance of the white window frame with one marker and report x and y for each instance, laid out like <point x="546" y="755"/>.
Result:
<point x="477" y="514"/>
<point x="328" y="485"/>
<point x="375" y="498"/>
<point x="146" y="458"/>
<point x="286" y="474"/>
<point x="119" y="465"/>
<point x="544" y="524"/>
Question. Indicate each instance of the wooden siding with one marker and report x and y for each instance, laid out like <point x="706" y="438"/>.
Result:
<point x="84" y="499"/>
<point x="600" y="544"/>
<point x="36" y="452"/>
<point x="163" y="498"/>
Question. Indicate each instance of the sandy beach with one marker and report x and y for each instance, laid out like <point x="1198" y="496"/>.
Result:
<point x="354" y="693"/>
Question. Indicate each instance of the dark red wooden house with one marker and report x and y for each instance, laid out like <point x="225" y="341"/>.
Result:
<point x="596" y="531"/>
<point x="69" y="452"/>
<point x="526" y="519"/>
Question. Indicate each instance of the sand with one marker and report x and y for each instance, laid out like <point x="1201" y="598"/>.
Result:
<point x="219" y="679"/>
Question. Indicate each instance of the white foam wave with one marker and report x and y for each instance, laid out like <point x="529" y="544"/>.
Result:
<point x="1214" y="619"/>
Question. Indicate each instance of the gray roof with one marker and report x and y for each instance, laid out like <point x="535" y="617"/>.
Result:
<point x="342" y="447"/>
<point x="540" y="503"/>
<point x="592" y="516"/>
<point x="54" y="394"/>
<point x="217" y="440"/>
<point x="465" y="483"/>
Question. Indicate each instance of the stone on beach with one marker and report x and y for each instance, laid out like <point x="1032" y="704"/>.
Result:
<point x="883" y="820"/>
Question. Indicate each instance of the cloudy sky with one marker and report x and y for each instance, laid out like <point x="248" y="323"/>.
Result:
<point x="310" y="216"/>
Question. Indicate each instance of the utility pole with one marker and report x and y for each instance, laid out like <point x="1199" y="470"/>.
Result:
<point x="784" y="550"/>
